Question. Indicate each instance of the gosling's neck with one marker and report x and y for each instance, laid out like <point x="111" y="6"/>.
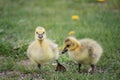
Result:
<point x="40" y="42"/>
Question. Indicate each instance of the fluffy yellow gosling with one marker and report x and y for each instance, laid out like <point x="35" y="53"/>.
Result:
<point x="43" y="50"/>
<point x="84" y="51"/>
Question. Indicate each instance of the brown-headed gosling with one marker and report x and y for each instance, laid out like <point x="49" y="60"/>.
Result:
<point x="84" y="51"/>
<point x="43" y="50"/>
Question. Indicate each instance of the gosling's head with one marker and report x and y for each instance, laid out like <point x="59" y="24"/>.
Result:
<point x="70" y="44"/>
<point x="40" y="33"/>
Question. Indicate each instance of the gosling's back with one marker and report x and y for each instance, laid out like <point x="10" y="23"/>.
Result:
<point x="94" y="50"/>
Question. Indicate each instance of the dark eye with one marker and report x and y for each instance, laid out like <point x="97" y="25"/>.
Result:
<point x="36" y="32"/>
<point x="43" y="32"/>
<point x="68" y="46"/>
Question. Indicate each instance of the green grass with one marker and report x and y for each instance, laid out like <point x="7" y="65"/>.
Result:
<point x="99" y="21"/>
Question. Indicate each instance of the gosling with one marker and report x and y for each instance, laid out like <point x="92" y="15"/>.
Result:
<point x="43" y="51"/>
<point x="84" y="51"/>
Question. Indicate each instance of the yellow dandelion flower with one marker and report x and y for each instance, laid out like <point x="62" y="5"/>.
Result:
<point x="101" y="0"/>
<point x="71" y="33"/>
<point x="75" y="17"/>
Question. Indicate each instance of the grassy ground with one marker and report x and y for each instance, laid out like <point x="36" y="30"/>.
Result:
<point x="19" y="18"/>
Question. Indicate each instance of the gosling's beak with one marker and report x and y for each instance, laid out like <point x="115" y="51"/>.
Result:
<point x="40" y="36"/>
<point x="64" y="50"/>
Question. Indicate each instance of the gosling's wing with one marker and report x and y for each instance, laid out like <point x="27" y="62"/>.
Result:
<point x="94" y="49"/>
<point x="91" y="52"/>
<point x="87" y="44"/>
<point x="54" y="48"/>
<point x="29" y="49"/>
